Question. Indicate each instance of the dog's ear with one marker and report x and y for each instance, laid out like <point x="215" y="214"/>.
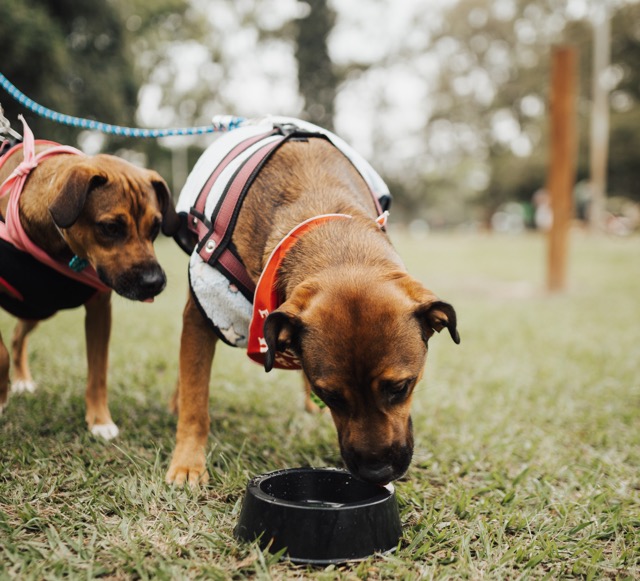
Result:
<point x="185" y="238"/>
<point x="283" y="328"/>
<point x="432" y="313"/>
<point x="435" y="315"/>
<point x="170" y="219"/>
<point x="281" y="332"/>
<point x="80" y="180"/>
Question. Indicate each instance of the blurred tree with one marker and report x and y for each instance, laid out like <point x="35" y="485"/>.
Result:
<point x="496" y="87"/>
<point x="69" y="56"/>
<point x="80" y="58"/>
<point x="316" y="76"/>
<point x="495" y="83"/>
<point x="624" y="149"/>
<point x="449" y="103"/>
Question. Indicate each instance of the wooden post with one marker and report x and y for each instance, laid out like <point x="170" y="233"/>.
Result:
<point x="562" y="166"/>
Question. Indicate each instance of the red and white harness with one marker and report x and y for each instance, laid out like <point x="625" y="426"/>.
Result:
<point x="211" y="200"/>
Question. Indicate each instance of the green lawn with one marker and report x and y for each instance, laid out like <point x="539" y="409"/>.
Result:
<point x="527" y="461"/>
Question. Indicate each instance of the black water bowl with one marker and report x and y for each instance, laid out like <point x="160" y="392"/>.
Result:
<point x="319" y="515"/>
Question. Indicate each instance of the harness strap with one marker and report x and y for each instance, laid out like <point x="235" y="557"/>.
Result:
<point x="204" y="192"/>
<point x="229" y="262"/>
<point x="11" y="229"/>
<point x="235" y="190"/>
<point x="214" y="241"/>
<point x="214" y="231"/>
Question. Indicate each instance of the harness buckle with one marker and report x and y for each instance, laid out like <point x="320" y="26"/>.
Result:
<point x="287" y="128"/>
<point x="5" y="126"/>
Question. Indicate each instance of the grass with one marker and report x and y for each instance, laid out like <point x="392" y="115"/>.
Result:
<point x="527" y="460"/>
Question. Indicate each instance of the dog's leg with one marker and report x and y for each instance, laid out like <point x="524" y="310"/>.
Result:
<point x="97" y="332"/>
<point x="197" y="347"/>
<point x="174" y="404"/>
<point x="4" y="375"/>
<point x="22" y="380"/>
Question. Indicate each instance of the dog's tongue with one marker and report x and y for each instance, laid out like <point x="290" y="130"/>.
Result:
<point x="149" y="300"/>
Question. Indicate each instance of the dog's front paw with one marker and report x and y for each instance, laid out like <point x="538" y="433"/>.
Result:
<point x="22" y="386"/>
<point x="187" y="467"/>
<point x="106" y="431"/>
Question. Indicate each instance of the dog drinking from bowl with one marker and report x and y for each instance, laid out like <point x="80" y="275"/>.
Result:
<point x="290" y="259"/>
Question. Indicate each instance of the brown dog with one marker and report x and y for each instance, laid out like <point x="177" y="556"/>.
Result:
<point x="355" y="320"/>
<point x="102" y="213"/>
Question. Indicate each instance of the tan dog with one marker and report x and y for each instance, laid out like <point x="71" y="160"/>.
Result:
<point x="357" y="322"/>
<point x="101" y="212"/>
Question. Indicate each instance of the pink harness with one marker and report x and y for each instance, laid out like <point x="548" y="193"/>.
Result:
<point x="11" y="229"/>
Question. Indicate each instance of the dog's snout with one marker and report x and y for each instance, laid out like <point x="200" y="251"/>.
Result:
<point x="152" y="281"/>
<point x="139" y="283"/>
<point x="379" y="468"/>
<point x="377" y="455"/>
<point x="376" y="472"/>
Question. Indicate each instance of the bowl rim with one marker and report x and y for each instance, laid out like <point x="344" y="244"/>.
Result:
<point x="387" y="491"/>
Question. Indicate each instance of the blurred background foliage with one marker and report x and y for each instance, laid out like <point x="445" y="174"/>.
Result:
<point x="449" y="102"/>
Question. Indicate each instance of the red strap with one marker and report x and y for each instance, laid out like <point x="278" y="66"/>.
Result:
<point x="11" y="290"/>
<point x="240" y="182"/>
<point x="201" y="200"/>
<point x="267" y="299"/>
<point x="237" y="270"/>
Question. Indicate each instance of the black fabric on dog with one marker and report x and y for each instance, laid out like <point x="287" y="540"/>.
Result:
<point x="32" y="290"/>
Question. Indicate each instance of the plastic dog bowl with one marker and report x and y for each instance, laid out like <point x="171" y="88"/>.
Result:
<point x="319" y="515"/>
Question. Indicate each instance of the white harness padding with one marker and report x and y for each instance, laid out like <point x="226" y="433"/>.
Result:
<point x="219" y="299"/>
<point x="226" y="308"/>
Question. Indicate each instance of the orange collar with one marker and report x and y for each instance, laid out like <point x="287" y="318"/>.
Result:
<point x="266" y="299"/>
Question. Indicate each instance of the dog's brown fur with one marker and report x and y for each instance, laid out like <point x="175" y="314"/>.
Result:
<point x="107" y="211"/>
<point x="359" y="323"/>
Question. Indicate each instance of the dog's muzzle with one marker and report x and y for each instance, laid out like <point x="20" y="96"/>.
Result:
<point x="140" y="283"/>
<point x="379" y="468"/>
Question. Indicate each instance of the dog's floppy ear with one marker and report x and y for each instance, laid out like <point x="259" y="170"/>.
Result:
<point x="281" y="332"/>
<point x="170" y="220"/>
<point x="432" y="313"/>
<point x="185" y="238"/>
<point x="284" y="327"/>
<point x="436" y="315"/>
<point x="79" y="181"/>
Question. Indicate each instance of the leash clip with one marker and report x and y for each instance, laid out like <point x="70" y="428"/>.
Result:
<point x="5" y="126"/>
<point x="286" y="129"/>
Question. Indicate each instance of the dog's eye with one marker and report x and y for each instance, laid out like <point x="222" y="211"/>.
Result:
<point x="396" y="391"/>
<point x="155" y="230"/>
<point x="112" y="229"/>
<point x="334" y="400"/>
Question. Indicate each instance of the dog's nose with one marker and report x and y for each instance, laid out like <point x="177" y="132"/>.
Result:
<point x="377" y="472"/>
<point x="152" y="281"/>
<point x="141" y="282"/>
<point x="378" y="466"/>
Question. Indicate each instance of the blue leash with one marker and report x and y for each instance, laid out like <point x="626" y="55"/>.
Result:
<point x="220" y="123"/>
